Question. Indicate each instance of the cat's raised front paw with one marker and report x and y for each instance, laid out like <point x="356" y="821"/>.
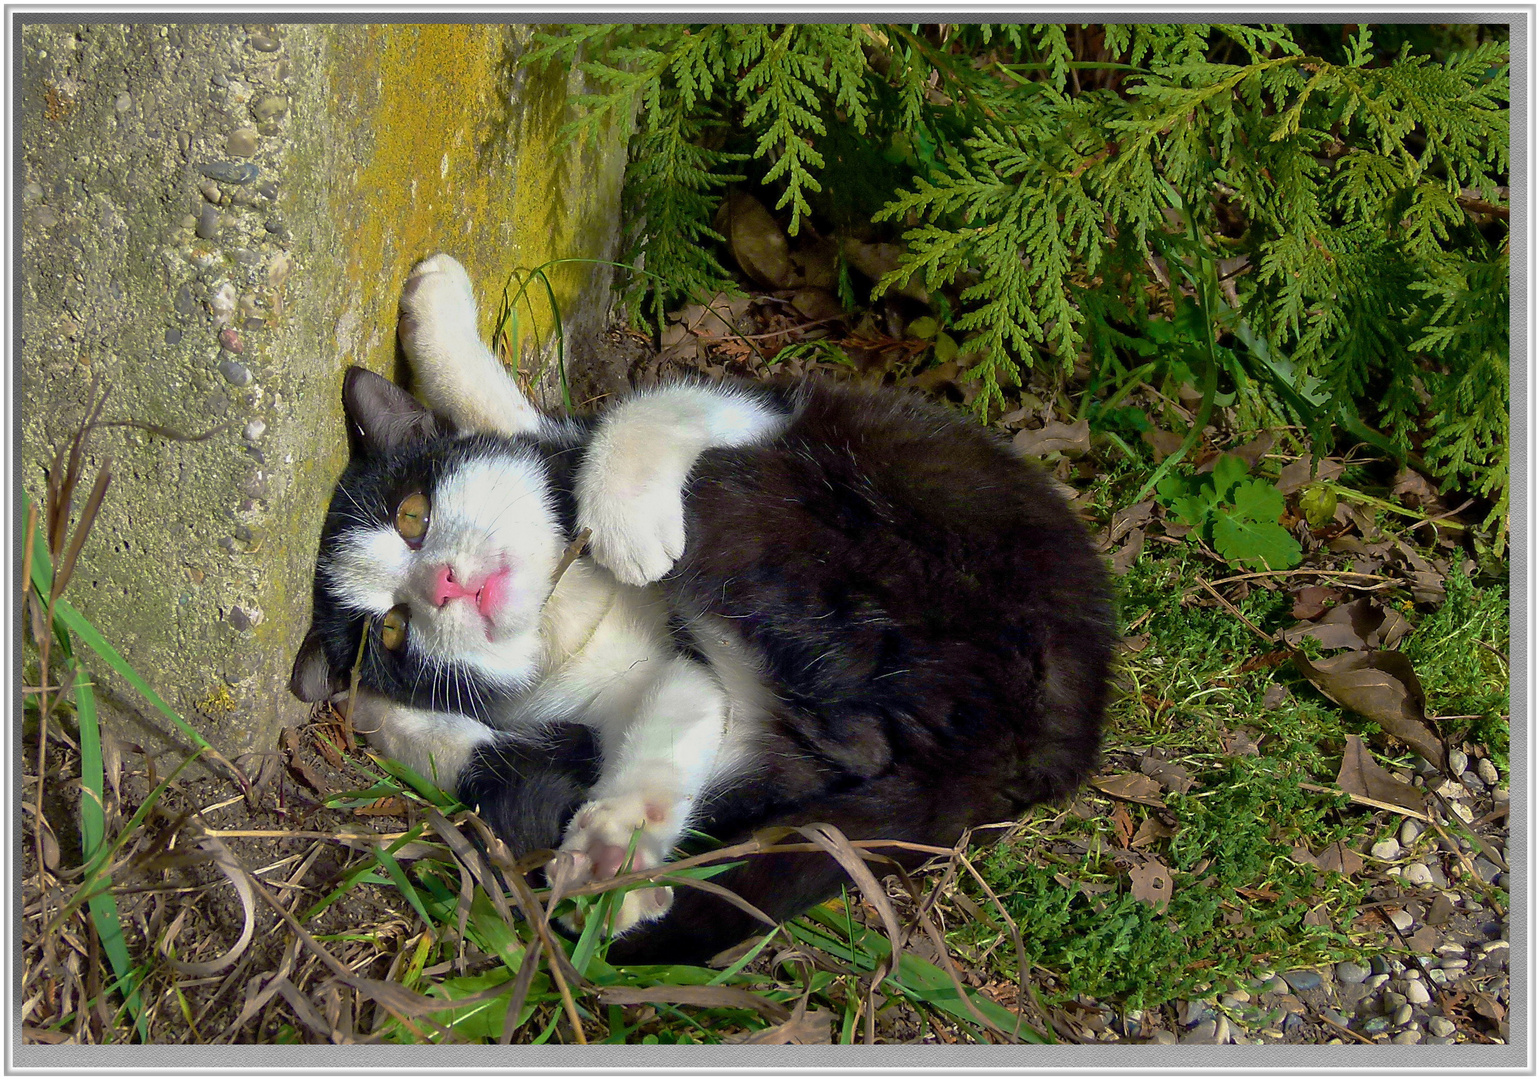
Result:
<point x="598" y="840"/>
<point x="438" y="311"/>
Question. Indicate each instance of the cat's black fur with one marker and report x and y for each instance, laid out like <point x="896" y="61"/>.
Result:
<point x="931" y="617"/>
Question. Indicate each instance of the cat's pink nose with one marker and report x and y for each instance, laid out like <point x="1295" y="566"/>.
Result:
<point x="487" y="594"/>
<point x="446" y="587"/>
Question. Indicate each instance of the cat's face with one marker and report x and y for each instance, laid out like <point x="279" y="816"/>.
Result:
<point x="440" y="550"/>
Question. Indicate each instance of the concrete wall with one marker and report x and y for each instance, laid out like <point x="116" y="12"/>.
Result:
<point x="217" y="220"/>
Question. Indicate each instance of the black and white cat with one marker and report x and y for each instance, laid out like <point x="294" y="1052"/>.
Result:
<point x="805" y="603"/>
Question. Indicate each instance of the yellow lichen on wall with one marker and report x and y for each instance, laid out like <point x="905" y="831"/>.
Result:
<point x="447" y="162"/>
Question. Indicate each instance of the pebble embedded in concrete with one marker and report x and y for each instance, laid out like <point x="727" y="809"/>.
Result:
<point x="242" y="142"/>
<point x="235" y="373"/>
<point x="229" y="172"/>
<point x="208" y="222"/>
<point x="270" y="107"/>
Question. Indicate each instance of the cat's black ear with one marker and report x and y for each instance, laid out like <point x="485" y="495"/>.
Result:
<point x="381" y="415"/>
<point x="312" y="678"/>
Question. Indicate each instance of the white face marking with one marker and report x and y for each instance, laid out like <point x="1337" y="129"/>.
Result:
<point x="490" y="516"/>
<point x="367" y="568"/>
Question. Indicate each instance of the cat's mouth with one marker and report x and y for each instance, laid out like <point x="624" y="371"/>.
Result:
<point x="489" y="594"/>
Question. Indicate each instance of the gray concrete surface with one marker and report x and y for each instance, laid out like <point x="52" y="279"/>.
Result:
<point x="216" y="219"/>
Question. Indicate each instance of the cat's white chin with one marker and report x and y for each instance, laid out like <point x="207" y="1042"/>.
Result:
<point x="511" y="661"/>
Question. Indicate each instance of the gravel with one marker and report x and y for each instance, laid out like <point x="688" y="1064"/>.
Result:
<point x="1389" y="995"/>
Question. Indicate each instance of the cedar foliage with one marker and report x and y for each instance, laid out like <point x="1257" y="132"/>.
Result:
<point x="1042" y="193"/>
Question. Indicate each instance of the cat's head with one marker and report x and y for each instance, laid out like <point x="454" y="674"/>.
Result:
<point x="437" y="554"/>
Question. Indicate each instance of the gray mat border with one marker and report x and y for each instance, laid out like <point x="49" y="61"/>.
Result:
<point x="1231" y="1060"/>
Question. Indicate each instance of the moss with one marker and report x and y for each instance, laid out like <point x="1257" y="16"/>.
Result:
<point x="450" y="163"/>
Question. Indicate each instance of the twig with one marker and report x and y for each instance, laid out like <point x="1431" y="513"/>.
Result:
<point x="570" y="553"/>
<point x="1233" y="610"/>
<point x="1407" y="944"/>
<point x="1342" y="1028"/>
<point x="709" y="338"/>
<point x="1366" y="800"/>
<point x="1308" y="572"/>
<point x="1477" y="205"/>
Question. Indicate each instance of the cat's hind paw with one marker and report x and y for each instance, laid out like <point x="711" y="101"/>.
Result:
<point x="606" y="836"/>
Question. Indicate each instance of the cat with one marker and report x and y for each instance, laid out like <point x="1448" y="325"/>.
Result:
<point x="800" y="603"/>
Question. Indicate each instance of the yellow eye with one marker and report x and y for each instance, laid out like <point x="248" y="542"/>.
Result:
<point x="412" y="518"/>
<point x="393" y="628"/>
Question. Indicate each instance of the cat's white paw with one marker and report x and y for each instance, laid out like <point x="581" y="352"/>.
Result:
<point x="638" y="531"/>
<point x="599" y="839"/>
<point x="438" y="311"/>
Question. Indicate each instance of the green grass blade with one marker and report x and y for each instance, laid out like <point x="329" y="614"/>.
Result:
<point x="93" y="823"/>
<point x="103" y="907"/>
<point x="398" y="876"/>
<point x="109" y="929"/>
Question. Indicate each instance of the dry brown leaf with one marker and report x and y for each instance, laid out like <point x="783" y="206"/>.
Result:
<point x="1072" y="440"/>
<point x="1488" y="1006"/>
<point x="390" y="806"/>
<point x="1312" y="601"/>
<point x="1151" y="829"/>
<point x="1122" y="824"/>
<point x="1128" y="519"/>
<point x="934" y="379"/>
<point x="1413" y="489"/>
<point x="1383" y="687"/>
<point x="1296" y="474"/>
<point x="1164" y="443"/>
<point x="1361" y="775"/>
<point x="814" y="262"/>
<point x="813" y="1028"/>
<point x="1123" y="558"/>
<point x="1424" y="577"/>
<point x="1341" y="858"/>
<point x="816" y="304"/>
<point x="1440" y="911"/>
<point x="875" y="260"/>
<point x="1134" y="787"/>
<point x="1242" y="743"/>
<point x="298" y="766"/>
<point x="222" y="858"/>
<point x="1168" y="774"/>
<point x="1363" y="624"/>
<point x="756" y="239"/>
<point x="1150" y="882"/>
<point x="710" y="997"/>
<point x="1252" y="452"/>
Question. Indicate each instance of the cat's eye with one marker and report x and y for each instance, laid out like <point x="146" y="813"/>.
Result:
<point x="412" y="518"/>
<point x="393" y="628"/>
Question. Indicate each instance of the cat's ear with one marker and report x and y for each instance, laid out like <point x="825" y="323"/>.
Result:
<point x="312" y="678"/>
<point x="381" y="415"/>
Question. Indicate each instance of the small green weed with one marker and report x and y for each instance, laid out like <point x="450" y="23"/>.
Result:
<point x="1235" y="512"/>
